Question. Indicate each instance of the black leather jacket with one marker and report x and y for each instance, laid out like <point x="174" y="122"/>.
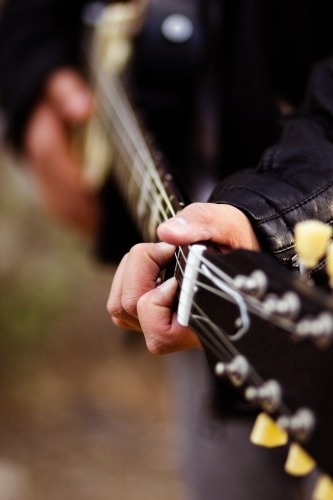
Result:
<point x="267" y="52"/>
<point x="294" y="179"/>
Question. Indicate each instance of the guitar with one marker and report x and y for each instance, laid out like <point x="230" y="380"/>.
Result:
<point x="267" y="331"/>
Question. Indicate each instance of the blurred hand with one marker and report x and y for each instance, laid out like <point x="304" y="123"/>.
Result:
<point x="137" y="300"/>
<point x="66" y="101"/>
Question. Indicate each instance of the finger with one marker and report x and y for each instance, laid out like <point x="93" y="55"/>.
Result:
<point x="114" y="305"/>
<point x="70" y="96"/>
<point x="57" y="172"/>
<point x="222" y="224"/>
<point x="162" y="332"/>
<point x="144" y="262"/>
<point x="130" y="325"/>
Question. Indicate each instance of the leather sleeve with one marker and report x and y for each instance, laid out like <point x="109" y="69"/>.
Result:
<point x="294" y="179"/>
<point x="36" y="38"/>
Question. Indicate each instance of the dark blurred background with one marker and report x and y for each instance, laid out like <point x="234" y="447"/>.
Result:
<point x="85" y="408"/>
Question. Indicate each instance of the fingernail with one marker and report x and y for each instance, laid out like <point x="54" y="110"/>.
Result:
<point x="168" y="285"/>
<point x="165" y="246"/>
<point x="176" y="223"/>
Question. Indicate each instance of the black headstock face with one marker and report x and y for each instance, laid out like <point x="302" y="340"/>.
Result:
<point x="271" y="334"/>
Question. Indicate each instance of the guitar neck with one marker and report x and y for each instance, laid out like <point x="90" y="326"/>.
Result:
<point x="137" y="169"/>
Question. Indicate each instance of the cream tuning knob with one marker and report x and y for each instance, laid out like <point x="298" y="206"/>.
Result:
<point x="323" y="489"/>
<point x="237" y="370"/>
<point x="267" y="433"/>
<point x="268" y="395"/>
<point x="311" y="239"/>
<point x="299" y="462"/>
<point x="329" y="263"/>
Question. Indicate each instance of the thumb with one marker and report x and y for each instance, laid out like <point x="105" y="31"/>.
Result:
<point x="159" y="323"/>
<point x="224" y="225"/>
<point x="69" y="95"/>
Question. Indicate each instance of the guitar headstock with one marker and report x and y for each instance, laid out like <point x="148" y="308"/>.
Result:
<point x="271" y="335"/>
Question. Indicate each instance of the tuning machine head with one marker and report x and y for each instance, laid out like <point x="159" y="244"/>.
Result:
<point x="254" y="285"/>
<point x="237" y="370"/>
<point x="319" y="328"/>
<point x="300" y="425"/>
<point x="288" y="306"/>
<point x="268" y="395"/>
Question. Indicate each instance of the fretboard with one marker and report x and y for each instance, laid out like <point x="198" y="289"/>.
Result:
<point x="146" y="186"/>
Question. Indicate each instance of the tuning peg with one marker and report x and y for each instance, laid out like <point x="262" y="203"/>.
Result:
<point x="237" y="370"/>
<point x="311" y="238"/>
<point x="300" y="425"/>
<point x="299" y="462"/>
<point x="268" y="395"/>
<point x="323" y="489"/>
<point x="254" y="285"/>
<point x="287" y="306"/>
<point x="329" y="263"/>
<point x="319" y="328"/>
<point x="267" y="433"/>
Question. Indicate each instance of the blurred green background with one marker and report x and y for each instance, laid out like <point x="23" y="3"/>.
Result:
<point x="84" y="407"/>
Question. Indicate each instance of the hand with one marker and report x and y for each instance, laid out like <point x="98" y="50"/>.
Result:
<point x="66" y="101"/>
<point x="137" y="300"/>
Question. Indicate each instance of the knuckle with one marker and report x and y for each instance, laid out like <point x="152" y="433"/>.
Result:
<point x="157" y="347"/>
<point x="203" y="212"/>
<point x="114" y="307"/>
<point x="138" y="249"/>
<point x="129" y="303"/>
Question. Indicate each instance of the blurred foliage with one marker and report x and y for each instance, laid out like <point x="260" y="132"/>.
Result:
<point x="39" y="262"/>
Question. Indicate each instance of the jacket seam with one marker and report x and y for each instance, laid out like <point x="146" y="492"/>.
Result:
<point x="287" y="210"/>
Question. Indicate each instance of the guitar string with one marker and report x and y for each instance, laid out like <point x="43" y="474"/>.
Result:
<point x="149" y="194"/>
<point x="152" y="197"/>
<point x="130" y="154"/>
<point x="255" y="377"/>
<point x="158" y="184"/>
<point x="156" y="199"/>
<point x="150" y="167"/>
<point x="128" y="119"/>
<point x="219" y="332"/>
<point x="121" y="100"/>
<point x="253" y="374"/>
